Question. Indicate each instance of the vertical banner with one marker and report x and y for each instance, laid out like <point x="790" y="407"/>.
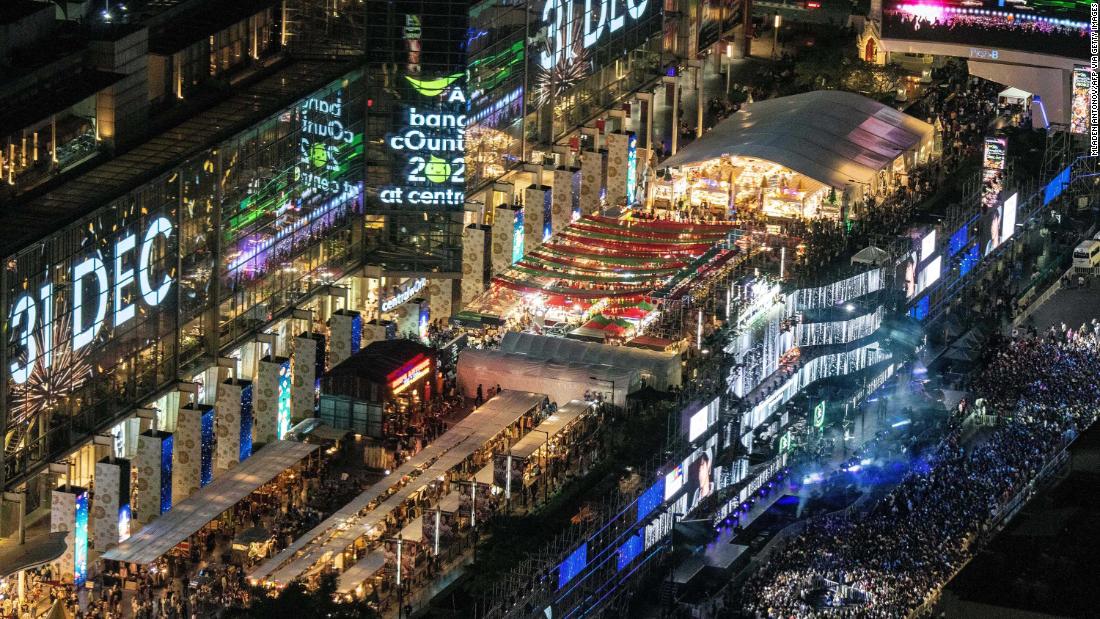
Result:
<point x="617" y="146"/>
<point x="69" y="513"/>
<point x="561" y="199"/>
<point x="346" y="332"/>
<point x="440" y="294"/>
<point x="271" y="379"/>
<point x="227" y="424"/>
<point x="303" y="395"/>
<point x="154" y="468"/>
<point x="111" y="508"/>
<point x="187" y="459"/>
<point x="534" y="216"/>
<point x="591" y="182"/>
<point x="246" y="420"/>
<point x="504" y="234"/>
<point x="206" y="447"/>
<point x="473" y="263"/>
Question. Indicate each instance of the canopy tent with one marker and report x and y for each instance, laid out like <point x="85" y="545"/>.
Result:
<point x="186" y="518"/>
<point x="561" y="380"/>
<point x="365" y="568"/>
<point x="414" y="531"/>
<point x="369" y="510"/>
<point x="485" y="475"/>
<point x="549" y="429"/>
<point x="871" y="255"/>
<point x="833" y="137"/>
<point x="1014" y="94"/>
<point x="659" y="369"/>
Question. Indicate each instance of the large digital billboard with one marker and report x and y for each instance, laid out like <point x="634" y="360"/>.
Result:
<point x="1058" y="27"/>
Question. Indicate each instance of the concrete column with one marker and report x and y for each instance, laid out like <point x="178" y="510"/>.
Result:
<point x="69" y="513"/>
<point x="536" y="224"/>
<point x="308" y="365"/>
<point x="111" y="507"/>
<point x="154" y="467"/>
<point x="272" y="399"/>
<point x="346" y="333"/>
<point x="645" y="126"/>
<point x="473" y="262"/>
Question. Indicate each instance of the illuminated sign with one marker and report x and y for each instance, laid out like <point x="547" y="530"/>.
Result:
<point x="324" y="145"/>
<point x="408" y="377"/>
<point x="80" y="539"/>
<point x="819" y="415"/>
<point x="631" y="168"/>
<point x="433" y="146"/>
<point x="563" y="35"/>
<point x="1082" y="99"/>
<point x="517" y="237"/>
<point x="246" y="421"/>
<point x="390" y="304"/>
<point x="99" y="283"/>
<point x="785" y="442"/>
<point x="993" y="164"/>
<point x="282" y="404"/>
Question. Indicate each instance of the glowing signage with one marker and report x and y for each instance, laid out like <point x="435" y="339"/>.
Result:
<point x="819" y="415"/>
<point x="415" y="286"/>
<point x="563" y="34"/>
<point x="517" y="237"/>
<point x="409" y="377"/>
<point x="993" y="164"/>
<point x="433" y="146"/>
<point x="785" y="442"/>
<point x="631" y="168"/>
<point x="206" y="448"/>
<point x="283" y="402"/>
<point x="80" y="539"/>
<point x="573" y="565"/>
<point x="1082" y="100"/>
<point x="246" y="421"/>
<point x="99" y="284"/>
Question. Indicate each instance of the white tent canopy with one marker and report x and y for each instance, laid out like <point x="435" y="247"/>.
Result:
<point x="871" y="255"/>
<point x="548" y="429"/>
<point x="185" y="519"/>
<point x="561" y="381"/>
<point x="1014" y="94"/>
<point x="833" y="137"/>
<point x="660" y="370"/>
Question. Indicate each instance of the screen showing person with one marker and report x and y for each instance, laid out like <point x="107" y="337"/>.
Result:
<point x="993" y="230"/>
<point x="700" y="479"/>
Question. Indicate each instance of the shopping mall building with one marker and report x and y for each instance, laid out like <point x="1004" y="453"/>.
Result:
<point x="205" y="207"/>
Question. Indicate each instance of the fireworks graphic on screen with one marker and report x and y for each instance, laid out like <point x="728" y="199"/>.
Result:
<point x="567" y="72"/>
<point x="48" y="385"/>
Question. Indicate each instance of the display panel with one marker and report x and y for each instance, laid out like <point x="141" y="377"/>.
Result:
<point x="958" y="241"/>
<point x="1008" y="218"/>
<point x="674" y="481"/>
<point x="80" y="539"/>
<point x="993" y="165"/>
<point x="927" y="245"/>
<point x="572" y="565"/>
<point x="1081" y="111"/>
<point x="1058" y="27"/>
<point x="651" y="499"/>
<point x="629" y="551"/>
<point x="930" y="274"/>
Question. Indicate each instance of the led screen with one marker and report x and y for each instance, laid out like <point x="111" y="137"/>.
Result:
<point x="958" y="241"/>
<point x="80" y="540"/>
<point x="674" y="480"/>
<point x="1008" y="218"/>
<point x="927" y="245"/>
<point x="1082" y="100"/>
<point x="1056" y="186"/>
<point x="651" y="499"/>
<point x="630" y="550"/>
<point x="1058" y="27"/>
<point x="929" y="275"/>
<point x="572" y="565"/>
<point x="969" y="260"/>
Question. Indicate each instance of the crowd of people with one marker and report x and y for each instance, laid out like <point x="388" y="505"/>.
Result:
<point x="913" y="540"/>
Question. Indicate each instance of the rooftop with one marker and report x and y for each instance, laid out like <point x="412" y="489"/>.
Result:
<point x="12" y="11"/>
<point x="31" y="219"/>
<point x="833" y="137"/>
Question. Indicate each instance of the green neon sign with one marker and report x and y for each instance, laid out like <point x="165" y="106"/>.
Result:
<point x="819" y="415"/>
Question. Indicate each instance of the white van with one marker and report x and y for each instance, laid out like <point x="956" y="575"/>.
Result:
<point x="1086" y="257"/>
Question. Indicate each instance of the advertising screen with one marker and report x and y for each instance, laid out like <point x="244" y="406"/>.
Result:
<point x="1082" y="99"/>
<point x="993" y="164"/>
<point x="674" y="480"/>
<point x="930" y="274"/>
<point x="907" y="275"/>
<point x="698" y="422"/>
<point x="1008" y="217"/>
<point x="1058" y="27"/>
<point x="927" y="245"/>
<point x="958" y="241"/>
<point x="572" y="565"/>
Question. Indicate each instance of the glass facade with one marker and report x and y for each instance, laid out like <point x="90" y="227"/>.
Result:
<point x="107" y="312"/>
<point x="416" y="52"/>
